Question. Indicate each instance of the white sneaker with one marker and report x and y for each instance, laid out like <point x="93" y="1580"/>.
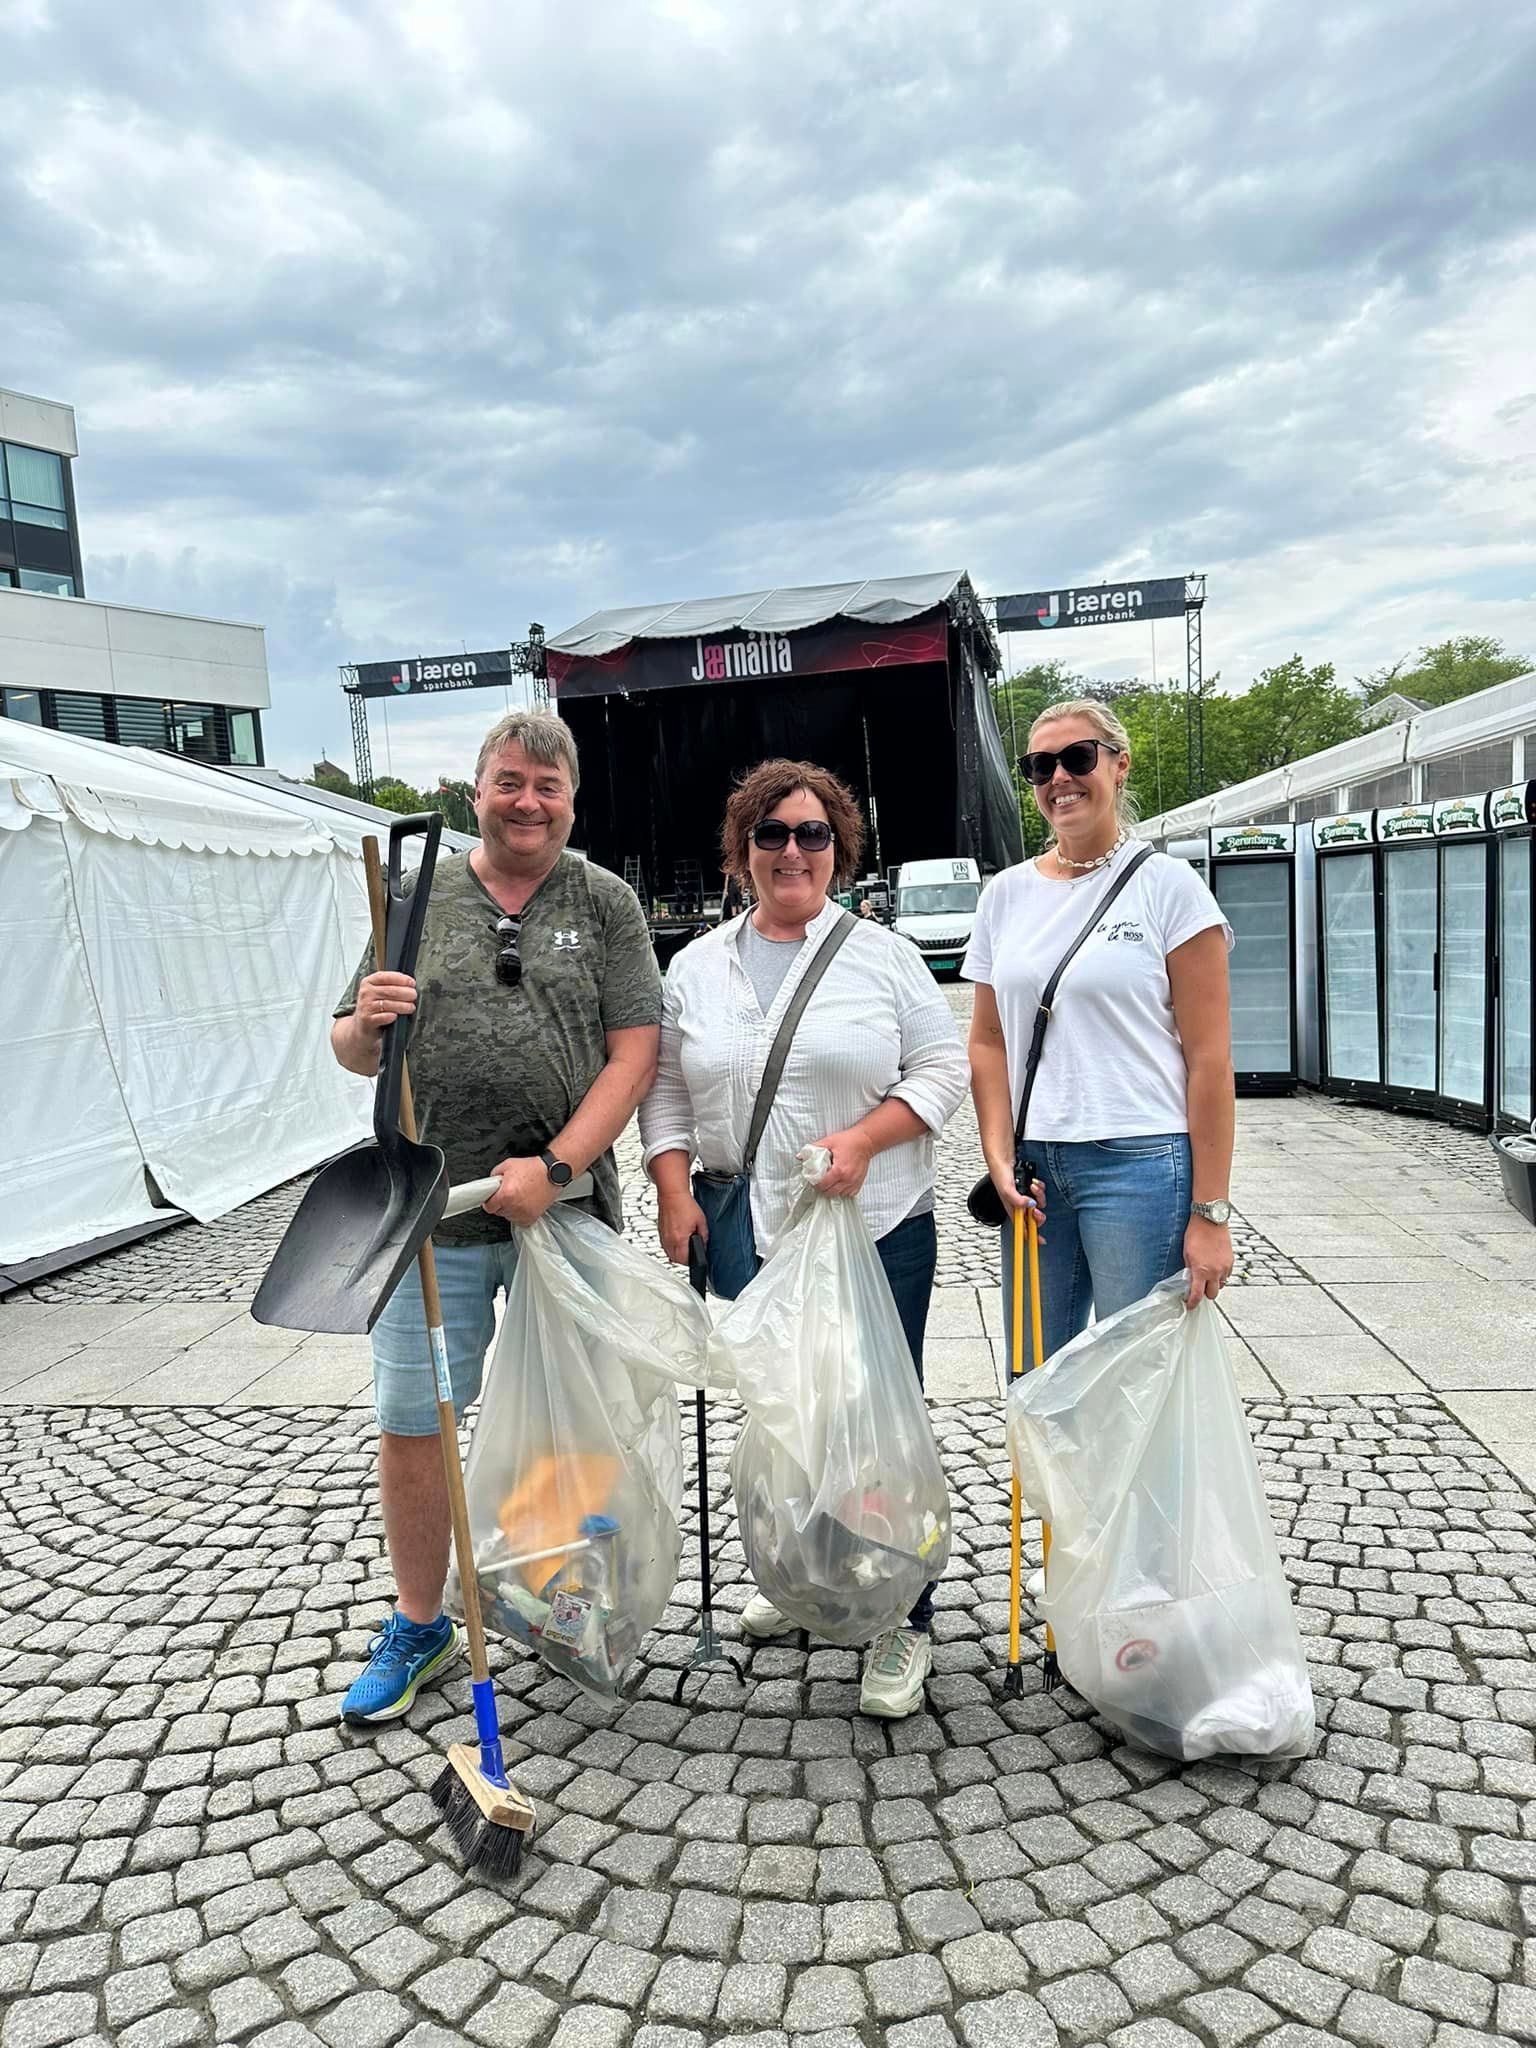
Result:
<point x="761" y="1620"/>
<point x="896" y="1666"/>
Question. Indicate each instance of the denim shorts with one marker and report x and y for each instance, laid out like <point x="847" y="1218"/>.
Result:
<point x="469" y="1277"/>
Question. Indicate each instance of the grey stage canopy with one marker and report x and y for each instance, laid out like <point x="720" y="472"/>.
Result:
<point x="885" y="681"/>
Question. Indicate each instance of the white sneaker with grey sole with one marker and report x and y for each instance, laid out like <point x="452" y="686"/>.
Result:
<point x="896" y="1667"/>
<point x="761" y="1620"/>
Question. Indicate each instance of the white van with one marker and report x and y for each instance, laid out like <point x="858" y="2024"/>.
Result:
<point x="936" y="907"/>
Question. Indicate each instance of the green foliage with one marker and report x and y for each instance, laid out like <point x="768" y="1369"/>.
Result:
<point x="1449" y="670"/>
<point x="456" y="800"/>
<point x="1290" y="712"/>
<point x="390" y="794"/>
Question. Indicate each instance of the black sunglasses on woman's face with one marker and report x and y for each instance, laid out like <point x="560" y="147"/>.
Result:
<point x="1078" y="757"/>
<point x="509" y="963"/>
<point x="772" y="836"/>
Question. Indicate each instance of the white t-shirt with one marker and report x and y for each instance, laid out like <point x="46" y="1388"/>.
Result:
<point x="1113" y="1065"/>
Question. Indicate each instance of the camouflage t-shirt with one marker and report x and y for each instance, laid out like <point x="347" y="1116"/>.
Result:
<point x="497" y="1072"/>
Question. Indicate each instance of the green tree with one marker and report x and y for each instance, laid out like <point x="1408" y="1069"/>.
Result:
<point x="1449" y="670"/>
<point x="456" y="800"/>
<point x="390" y="794"/>
<point x="1290" y="712"/>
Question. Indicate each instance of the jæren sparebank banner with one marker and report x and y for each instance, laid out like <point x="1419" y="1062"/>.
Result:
<point x="1095" y="604"/>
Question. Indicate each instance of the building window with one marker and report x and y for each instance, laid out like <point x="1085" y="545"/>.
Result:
<point x="1469" y="772"/>
<point x="141" y="722"/>
<point x="36" y="486"/>
<point x="1395" y="787"/>
<point x="1324" y="804"/>
<point x="195" y="732"/>
<point x="27" y="705"/>
<point x="83" y="716"/>
<point x="46" y="580"/>
<point x="243" y="749"/>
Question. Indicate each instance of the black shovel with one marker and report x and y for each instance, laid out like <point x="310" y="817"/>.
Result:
<point x="364" y="1218"/>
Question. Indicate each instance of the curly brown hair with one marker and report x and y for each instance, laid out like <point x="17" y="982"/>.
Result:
<point x="763" y="788"/>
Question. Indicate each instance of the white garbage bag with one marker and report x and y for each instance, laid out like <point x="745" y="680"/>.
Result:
<point x="1164" y="1589"/>
<point x="575" y="1473"/>
<point x="840" y="1495"/>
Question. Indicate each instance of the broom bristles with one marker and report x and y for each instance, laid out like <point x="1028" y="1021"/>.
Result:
<point x="490" y="1841"/>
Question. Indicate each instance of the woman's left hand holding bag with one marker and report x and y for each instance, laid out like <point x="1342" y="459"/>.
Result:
<point x="851" y="1151"/>
<point x="1208" y="1255"/>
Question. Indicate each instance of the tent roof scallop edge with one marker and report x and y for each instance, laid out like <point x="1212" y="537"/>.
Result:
<point x="128" y="794"/>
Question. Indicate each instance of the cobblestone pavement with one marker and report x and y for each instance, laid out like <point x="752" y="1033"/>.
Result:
<point x="192" y="1849"/>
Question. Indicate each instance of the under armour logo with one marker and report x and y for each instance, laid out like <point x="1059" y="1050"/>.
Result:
<point x="566" y="942"/>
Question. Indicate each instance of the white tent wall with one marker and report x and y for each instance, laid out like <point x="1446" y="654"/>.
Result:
<point x="216" y="975"/>
<point x="172" y="955"/>
<point x="73" y="1168"/>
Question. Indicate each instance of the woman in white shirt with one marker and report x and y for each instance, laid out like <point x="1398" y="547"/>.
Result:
<point x="1131" y="1120"/>
<point x="875" y="1071"/>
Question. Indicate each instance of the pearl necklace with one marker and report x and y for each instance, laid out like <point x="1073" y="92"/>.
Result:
<point x="1087" y="867"/>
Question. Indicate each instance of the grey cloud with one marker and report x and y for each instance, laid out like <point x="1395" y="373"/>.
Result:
<point x="414" y="341"/>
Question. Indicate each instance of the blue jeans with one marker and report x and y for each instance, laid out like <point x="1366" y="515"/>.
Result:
<point x="1115" y="1214"/>
<point x="468" y="1278"/>
<point x="910" y="1256"/>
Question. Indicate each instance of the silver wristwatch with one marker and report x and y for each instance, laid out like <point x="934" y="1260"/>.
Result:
<point x="1213" y="1212"/>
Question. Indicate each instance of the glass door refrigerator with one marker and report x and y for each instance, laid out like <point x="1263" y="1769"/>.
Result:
<point x="1511" y="816"/>
<point x="1252" y="875"/>
<point x="1464" y="960"/>
<point x="1410" y="929"/>
<point x="1349" y="957"/>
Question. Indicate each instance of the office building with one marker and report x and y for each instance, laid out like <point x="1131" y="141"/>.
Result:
<point x="106" y="671"/>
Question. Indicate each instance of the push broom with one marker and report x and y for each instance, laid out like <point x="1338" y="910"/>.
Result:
<point x="486" y="1814"/>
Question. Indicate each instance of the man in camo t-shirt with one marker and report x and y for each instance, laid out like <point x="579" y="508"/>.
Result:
<point x="537" y="1001"/>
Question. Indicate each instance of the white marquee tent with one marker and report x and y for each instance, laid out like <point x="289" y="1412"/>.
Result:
<point x="172" y="943"/>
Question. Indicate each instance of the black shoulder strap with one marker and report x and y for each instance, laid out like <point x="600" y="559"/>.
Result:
<point x="779" y="1052"/>
<point x="1048" y="993"/>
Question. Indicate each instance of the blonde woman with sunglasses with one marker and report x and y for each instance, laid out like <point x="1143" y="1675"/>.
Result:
<point x="1130" y="1122"/>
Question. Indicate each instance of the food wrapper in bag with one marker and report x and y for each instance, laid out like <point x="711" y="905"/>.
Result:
<point x="840" y="1495"/>
<point x="1164" y="1589"/>
<point x="575" y="1473"/>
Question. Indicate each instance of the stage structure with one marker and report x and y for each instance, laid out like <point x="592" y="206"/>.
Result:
<point x="427" y="674"/>
<point x="1122" y="604"/>
<point x="887" y="682"/>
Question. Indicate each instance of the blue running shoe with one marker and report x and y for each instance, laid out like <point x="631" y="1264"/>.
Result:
<point x="401" y="1657"/>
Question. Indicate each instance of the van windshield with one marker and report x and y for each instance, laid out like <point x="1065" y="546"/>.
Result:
<point x="929" y="899"/>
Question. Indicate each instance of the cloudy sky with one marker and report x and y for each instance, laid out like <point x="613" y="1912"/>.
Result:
<point x="394" y="326"/>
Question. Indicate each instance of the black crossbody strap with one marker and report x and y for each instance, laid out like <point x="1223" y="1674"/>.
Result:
<point x="1048" y="993"/>
<point x="773" y="1073"/>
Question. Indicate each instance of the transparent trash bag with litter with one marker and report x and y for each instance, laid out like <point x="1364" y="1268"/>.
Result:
<point x="1164" y="1589"/>
<point x="840" y="1496"/>
<point x="575" y="1472"/>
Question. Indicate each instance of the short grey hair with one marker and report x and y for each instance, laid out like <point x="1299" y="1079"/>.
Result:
<point x="540" y="734"/>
